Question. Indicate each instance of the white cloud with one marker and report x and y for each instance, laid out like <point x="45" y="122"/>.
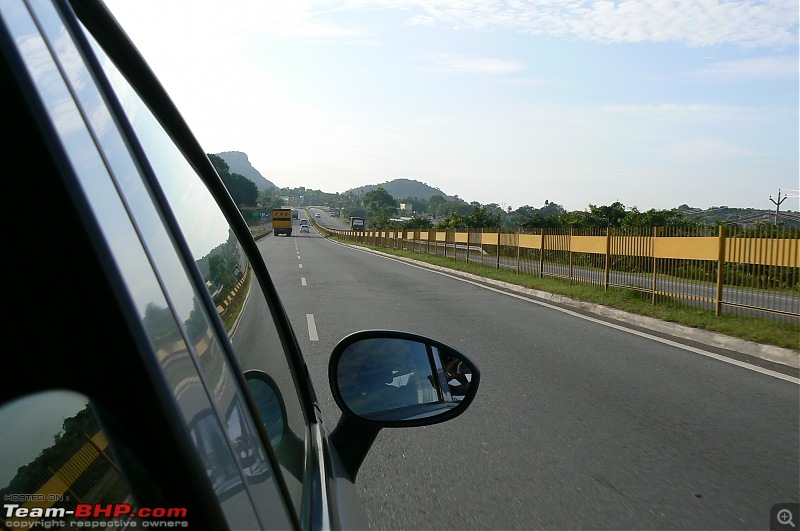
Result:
<point x="693" y="22"/>
<point x="242" y="89"/>
<point x="474" y="65"/>
<point x="239" y="18"/>
<point x="784" y="67"/>
<point x="689" y="113"/>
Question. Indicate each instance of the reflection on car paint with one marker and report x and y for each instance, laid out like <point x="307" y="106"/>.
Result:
<point x="226" y="274"/>
<point x="157" y="318"/>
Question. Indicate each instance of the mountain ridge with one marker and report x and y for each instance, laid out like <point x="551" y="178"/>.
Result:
<point x="238" y="162"/>
<point x="402" y="188"/>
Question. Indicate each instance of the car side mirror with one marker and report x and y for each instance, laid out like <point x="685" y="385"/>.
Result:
<point x="389" y="379"/>
<point x="288" y="447"/>
<point x="396" y="379"/>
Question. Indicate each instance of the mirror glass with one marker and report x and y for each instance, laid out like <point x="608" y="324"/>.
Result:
<point x="398" y="379"/>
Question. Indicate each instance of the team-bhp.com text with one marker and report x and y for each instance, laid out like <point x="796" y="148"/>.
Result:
<point x="93" y="516"/>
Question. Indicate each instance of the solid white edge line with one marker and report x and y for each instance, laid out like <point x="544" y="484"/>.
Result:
<point x="312" y="327"/>
<point x="675" y="344"/>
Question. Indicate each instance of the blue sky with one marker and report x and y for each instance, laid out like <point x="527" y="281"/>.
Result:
<point x="653" y="103"/>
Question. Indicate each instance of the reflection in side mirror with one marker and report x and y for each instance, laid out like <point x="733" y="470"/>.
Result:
<point x="398" y="379"/>
<point x="288" y="447"/>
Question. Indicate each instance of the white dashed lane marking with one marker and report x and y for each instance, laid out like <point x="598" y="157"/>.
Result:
<point x="312" y="327"/>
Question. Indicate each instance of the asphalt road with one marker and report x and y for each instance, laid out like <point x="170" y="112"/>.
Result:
<point x="736" y="300"/>
<point x="576" y="425"/>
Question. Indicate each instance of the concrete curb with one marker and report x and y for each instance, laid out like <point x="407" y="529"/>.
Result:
<point x="774" y="354"/>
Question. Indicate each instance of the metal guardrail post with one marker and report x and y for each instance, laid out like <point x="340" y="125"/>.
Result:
<point x="541" y="255"/>
<point x="571" y="261"/>
<point x="655" y="265"/>
<point x="720" y="271"/>
<point x="608" y="259"/>
<point x="498" y="248"/>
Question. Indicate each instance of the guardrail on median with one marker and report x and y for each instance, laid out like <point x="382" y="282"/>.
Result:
<point x="735" y="271"/>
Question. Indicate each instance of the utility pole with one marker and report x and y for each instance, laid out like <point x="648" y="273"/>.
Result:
<point x="778" y="204"/>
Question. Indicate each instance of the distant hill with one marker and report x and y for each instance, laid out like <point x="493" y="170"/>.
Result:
<point x="239" y="163"/>
<point x="402" y="188"/>
<point x="739" y="216"/>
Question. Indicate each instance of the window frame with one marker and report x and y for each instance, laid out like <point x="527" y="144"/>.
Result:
<point x="125" y="406"/>
<point x="317" y="509"/>
<point x="110" y="36"/>
<point x="98" y="21"/>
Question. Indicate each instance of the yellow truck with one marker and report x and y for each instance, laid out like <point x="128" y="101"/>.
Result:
<point x="282" y="221"/>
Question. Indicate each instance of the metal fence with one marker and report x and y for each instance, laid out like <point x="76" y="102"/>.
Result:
<point x="753" y="272"/>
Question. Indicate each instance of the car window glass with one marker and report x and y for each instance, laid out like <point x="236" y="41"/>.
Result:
<point x="58" y="457"/>
<point x="226" y="465"/>
<point x="224" y="266"/>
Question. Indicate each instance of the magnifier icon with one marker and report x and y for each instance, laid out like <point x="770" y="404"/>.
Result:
<point x="785" y="517"/>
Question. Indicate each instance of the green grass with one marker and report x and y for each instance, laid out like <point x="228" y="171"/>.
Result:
<point x="259" y="233"/>
<point x="629" y="300"/>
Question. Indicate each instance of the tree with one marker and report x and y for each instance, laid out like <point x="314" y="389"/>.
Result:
<point x="243" y="191"/>
<point x="538" y="221"/>
<point x="380" y="204"/>
<point x="607" y="216"/>
<point x="418" y="223"/>
<point x="654" y="218"/>
<point x="420" y="204"/>
<point x="276" y="202"/>
<point x="478" y="218"/>
<point x="436" y="204"/>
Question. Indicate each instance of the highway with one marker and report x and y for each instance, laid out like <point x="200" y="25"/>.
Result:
<point x="737" y="300"/>
<point x="577" y="425"/>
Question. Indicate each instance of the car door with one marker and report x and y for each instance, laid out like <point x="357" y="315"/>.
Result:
<point x="229" y="268"/>
<point x="208" y="310"/>
<point x="102" y="342"/>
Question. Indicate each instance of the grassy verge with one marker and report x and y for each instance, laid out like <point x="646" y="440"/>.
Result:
<point x="629" y="300"/>
<point x="259" y="233"/>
